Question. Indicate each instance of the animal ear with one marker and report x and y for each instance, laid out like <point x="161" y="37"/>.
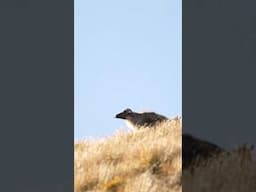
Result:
<point x="128" y="110"/>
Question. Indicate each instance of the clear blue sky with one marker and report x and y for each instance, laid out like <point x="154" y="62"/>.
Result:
<point x="127" y="54"/>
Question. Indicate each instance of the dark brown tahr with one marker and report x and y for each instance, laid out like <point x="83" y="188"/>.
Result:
<point x="141" y="119"/>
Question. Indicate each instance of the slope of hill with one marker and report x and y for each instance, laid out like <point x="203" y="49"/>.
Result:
<point x="148" y="160"/>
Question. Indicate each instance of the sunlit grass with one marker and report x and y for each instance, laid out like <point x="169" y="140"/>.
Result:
<point x="145" y="160"/>
<point x="150" y="160"/>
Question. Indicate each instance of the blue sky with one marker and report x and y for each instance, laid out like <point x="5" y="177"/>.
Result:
<point x="127" y="54"/>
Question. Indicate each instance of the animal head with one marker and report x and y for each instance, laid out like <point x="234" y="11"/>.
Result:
<point x="126" y="113"/>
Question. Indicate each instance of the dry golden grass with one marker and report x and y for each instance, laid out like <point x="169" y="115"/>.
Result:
<point x="148" y="160"/>
<point x="234" y="172"/>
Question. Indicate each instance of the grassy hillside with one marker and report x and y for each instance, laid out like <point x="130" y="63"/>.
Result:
<point x="148" y="160"/>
